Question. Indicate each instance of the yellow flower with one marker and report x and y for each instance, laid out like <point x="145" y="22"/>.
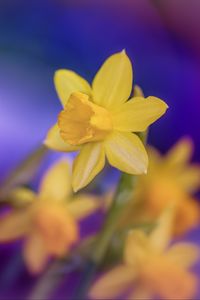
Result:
<point x="151" y="268"/>
<point x="49" y="221"/>
<point x="99" y="122"/>
<point x="171" y="179"/>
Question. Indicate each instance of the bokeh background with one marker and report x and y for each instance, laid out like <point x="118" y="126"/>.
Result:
<point x="162" y="38"/>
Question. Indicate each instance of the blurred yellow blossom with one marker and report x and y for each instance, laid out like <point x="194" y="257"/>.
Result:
<point x="151" y="268"/>
<point x="99" y="122"/>
<point x="172" y="179"/>
<point x="48" y="221"/>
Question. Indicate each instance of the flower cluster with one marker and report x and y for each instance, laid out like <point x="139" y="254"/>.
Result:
<point x="153" y="202"/>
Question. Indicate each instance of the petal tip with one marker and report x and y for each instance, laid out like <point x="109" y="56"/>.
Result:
<point x="56" y="74"/>
<point x="75" y="188"/>
<point x="46" y="143"/>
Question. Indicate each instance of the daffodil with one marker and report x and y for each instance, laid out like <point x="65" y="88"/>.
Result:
<point x="151" y="268"/>
<point x="100" y="123"/>
<point x="171" y="179"/>
<point x="48" y="221"/>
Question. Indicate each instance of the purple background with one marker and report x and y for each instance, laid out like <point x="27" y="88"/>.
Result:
<point x="162" y="39"/>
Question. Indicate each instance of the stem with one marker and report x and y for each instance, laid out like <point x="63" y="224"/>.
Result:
<point x="121" y="198"/>
<point x="51" y="279"/>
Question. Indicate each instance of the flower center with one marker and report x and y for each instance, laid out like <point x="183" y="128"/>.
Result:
<point x="56" y="226"/>
<point x="168" y="280"/>
<point x="82" y="121"/>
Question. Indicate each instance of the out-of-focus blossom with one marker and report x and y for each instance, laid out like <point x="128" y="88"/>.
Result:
<point x="48" y="221"/>
<point x="99" y="121"/>
<point x="170" y="179"/>
<point x="151" y="268"/>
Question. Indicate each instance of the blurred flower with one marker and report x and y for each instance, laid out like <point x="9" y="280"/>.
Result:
<point x="172" y="179"/>
<point x="99" y="120"/>
<point x="150" y="268"/>
<point x="48" y="220"/>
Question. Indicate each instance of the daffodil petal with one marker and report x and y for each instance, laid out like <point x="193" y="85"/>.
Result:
<point x="35" y="253"/>
<point x="184" y="254"/>
<point x="126" y="152"/>
<point x="83" y="205"/>
<point x="89" y="162"/>
<point x="189" y="178"/>
<point x="138" y="113"/>
<point x="160" y="237"/>
<point x="137" y="91"/>
<point x="113" y="283"/>
<point x="14" y="225"/>
<point x="141" y="292"/>
<point x="136" y="249"/>
<point x="67" y="82"/>
<point x="113" y="83"/>
<point x="56" y="183"/>
<point x="180" y="153"/>
<point x="155" y="159"/>
<point x="55" y="142"/>
<point x="21" y="196"/>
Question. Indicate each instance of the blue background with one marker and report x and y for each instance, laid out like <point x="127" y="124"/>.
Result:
<point x="162" y="38"/>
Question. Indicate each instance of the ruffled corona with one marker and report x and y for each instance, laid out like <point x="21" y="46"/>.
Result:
<point x="82" y="121"/>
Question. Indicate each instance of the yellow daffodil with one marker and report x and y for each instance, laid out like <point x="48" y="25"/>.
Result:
<point x="99" y="122"/>
<point x="171" y="179"/>
<point x="151" y="268"/>
<point x="49" y="221"/>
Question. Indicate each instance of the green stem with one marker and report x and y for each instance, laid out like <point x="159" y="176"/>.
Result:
<point x="52" y="278"/>
<point x="122" y="196"/>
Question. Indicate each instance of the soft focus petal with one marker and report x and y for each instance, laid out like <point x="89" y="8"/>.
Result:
<point x="137" y="91"/>
<point x="67" y="82"/>
<point x="89" y="162"/>
<point x="187" y="216"/>
<point x="14" y="225"/>
<point x="126" y="152"/>
<point x="140" y="293"/>
<point x="180" y="153"/>
<point x="138" y="113"/>
<point x="113" y="83"/>
<point x="55" y="142"/>
<point x="167" y="280"/>
<point x="58" y="228"/>
<point x="160" y="237"/>
<point x="21" y="196"/>
<point x="35" y="253"/>
<point x="136" y="249"/>
<point x="155" y="159"/>
<point x="56" y="183"/>
<point x="83" y="205"/>
<point x="189" y="178"/>
<point x="184" y="254"/>
<point x="113" y="283"/>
